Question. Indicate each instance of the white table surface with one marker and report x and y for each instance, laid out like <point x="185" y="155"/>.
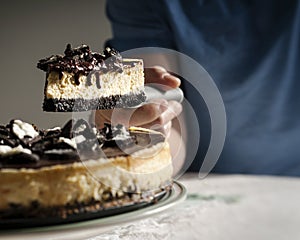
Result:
<point x="218" y="207"/>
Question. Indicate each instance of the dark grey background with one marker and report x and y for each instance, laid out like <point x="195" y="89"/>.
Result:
<point x="31" y="30"/>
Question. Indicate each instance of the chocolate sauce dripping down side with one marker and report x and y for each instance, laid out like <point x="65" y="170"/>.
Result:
<point x="97" y="76"/>
<point x="98" y="80"/>
<point x="82" y="61"/>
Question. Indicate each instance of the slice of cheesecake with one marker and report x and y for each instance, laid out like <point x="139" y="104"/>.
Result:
<point x="83" y="80"/>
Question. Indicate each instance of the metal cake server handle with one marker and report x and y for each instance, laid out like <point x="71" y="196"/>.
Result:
<point x="175" y="94"/>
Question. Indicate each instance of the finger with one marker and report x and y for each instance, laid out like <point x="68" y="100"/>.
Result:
<point x="115" y="116"/>
<point x="167" y="129"/>
<point x="103" y="115"/>
<point x="173" y="110"/>
<point x="101" y="118"/>
<point x="148" y="112"/>
<point x="163" y="122"/>
<point x="160" y="75"/>
<point x="133" y="117"/>
<point x="164" y="129"/>
<point x="159" y="112"/>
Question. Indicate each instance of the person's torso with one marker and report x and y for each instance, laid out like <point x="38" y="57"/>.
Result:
<point x="251" y="49"/>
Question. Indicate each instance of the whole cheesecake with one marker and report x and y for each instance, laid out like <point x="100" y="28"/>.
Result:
<point x="79" y="168"/>
<point x="82" y="80"/>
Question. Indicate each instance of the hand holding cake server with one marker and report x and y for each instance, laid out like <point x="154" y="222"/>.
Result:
<point x="163" y="103"/>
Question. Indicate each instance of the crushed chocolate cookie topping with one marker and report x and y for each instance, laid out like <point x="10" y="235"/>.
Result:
<point x="27" y="146"/>
<point x="82" y="61"/>
<point x="117" y="136"/>
<point x="22" y="143"/>
<point x="114" y="132"/>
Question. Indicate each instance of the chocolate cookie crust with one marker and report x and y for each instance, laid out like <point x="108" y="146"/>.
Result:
<point x="81" y="104"/>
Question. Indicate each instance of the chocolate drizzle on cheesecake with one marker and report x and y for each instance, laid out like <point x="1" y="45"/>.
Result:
<point x="82" y="61"/>
<point x="76" y="141"/>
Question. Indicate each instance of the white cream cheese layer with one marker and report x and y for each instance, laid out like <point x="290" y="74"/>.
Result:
<point x="130" y="81"/>
<point x="63" y="184"/>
